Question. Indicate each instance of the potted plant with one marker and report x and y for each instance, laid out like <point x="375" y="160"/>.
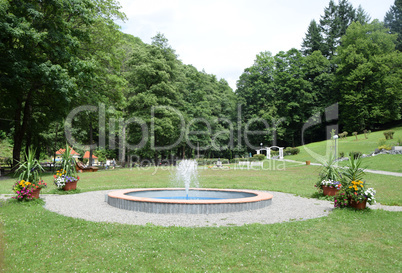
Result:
<point x="29" y="181"/>
<point x="66" y="178"/>
<point x="354" y="192"/>
<point x="330" y="187"/>
<point x="355" y="195"/>
<point x="329" y="181"/>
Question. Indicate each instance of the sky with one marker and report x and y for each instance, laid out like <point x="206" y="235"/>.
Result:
<point x="223" y="37"/>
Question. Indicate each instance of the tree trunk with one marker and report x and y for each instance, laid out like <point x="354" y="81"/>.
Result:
<point x="20" y="129"/>
<point x="122" y="144"/>
<point x="90" y="143"/>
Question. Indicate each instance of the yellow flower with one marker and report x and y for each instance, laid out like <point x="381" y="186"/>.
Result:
<point x="350" y="187"/>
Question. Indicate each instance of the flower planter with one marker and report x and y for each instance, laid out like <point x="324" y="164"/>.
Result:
<point x="358" y="205"/>
<point x="330" y="191"/>
<point x="308" y="162"/>
<point x="35" y="193"/>
<point x="70" y="186"/>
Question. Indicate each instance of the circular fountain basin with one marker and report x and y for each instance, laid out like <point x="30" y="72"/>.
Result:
<point x="198" y="201"/>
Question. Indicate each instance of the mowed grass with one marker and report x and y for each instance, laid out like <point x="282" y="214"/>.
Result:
<point x="38" y="240"/>
<point x="346" y="241"/>
<point x="317" y="150"/>
<point x="286" y="177"/>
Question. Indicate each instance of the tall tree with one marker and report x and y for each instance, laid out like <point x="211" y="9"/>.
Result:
<point x="153" y="76"/>
<point x="313" y="40"/>
<point x="369" y="77"/>
<point x="45" y="68"/>
<point x="38" y="41"/>
<point x="293" y="96"/>
<point x="334" y="23"/>
<point x="393" y="21"/>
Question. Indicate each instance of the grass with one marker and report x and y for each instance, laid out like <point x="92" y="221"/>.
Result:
<point x="383" y="162"/>
<point x="347" y="240"/>
<point x="276" y="176"/>
<point x="314" y="151"/>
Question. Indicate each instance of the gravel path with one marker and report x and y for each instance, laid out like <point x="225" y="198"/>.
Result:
<point x="285" y="207"/>
<point x="91" y="206"/>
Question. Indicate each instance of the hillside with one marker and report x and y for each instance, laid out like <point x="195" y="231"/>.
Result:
<point x="351" y="144"/>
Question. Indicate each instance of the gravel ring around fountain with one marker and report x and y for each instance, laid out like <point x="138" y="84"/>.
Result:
<point x="91" y="206"/>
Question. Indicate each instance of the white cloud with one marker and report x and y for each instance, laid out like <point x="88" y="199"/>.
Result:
<point x="222" y="36"/>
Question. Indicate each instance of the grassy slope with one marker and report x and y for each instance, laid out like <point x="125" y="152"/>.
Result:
<point x="366" y="146"/>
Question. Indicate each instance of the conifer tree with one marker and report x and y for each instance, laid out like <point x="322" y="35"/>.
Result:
<point x="393" y="21"/>
<point x="313" y="40"/>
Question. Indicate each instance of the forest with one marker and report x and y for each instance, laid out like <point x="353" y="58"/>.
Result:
<point x="69" y="72"/>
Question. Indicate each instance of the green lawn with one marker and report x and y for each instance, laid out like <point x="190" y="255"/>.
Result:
<point x="42" y="241"/>
<point x="314" y="151"/>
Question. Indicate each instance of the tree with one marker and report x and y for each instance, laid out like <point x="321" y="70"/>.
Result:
<point x="154" y="71"/>
<point x="47" y="66"/>
<point x="393" y="21"/>
<point x="38" y="40"/>
<point x="368" y="77"/>
<point x="334" y="23"/>
<point x="256" y="94"/>
<point x="293" y="96"/>
<point x="313" y="40"/>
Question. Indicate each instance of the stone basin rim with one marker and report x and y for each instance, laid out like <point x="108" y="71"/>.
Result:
<point x="258" y="196"/>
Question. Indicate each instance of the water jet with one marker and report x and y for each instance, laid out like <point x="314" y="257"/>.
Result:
<point x="188" y="200"/>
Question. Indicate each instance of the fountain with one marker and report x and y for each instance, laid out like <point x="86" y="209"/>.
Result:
<point x="192" y="200"/>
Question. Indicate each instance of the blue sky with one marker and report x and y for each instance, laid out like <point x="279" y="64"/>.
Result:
<point x="224" y="36"/>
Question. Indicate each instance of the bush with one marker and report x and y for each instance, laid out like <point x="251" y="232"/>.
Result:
<point x="389" y="134"/>
<point x="384" y="147"/>
<point x="259" y="157"/>
<point x="211" y="161"/>
<point x="342" y="154"/>
<point x="381" y="142"/>
<point x="291" y="151"/>
<point x="355" y="155"/>
<point x="274" y="153"/>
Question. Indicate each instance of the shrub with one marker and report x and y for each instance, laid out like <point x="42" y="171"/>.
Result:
<point x="259" y="157"/>
<point x="355" y="155"/>
<point x="355" y="134"/>
<point x="342" y="154"/>
<point x="274" y="153"/>
<point x="381" y="141"/>
<point x="366" y="133"/>
<point x="291" y="151"/>
<point x="389" y="134"/>
<point x="212" y="161"/>
<point x="384" y="147"/>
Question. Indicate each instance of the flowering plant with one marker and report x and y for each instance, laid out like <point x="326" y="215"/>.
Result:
<point x="29" y="177"/>
<point x="355" y="191"/>
<point x="328" y="173"/>
<point x="24" y="189"/>
<point x="67" y="173"/>
<point x="331" y="183"/>
<point x="61" y="178"/>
